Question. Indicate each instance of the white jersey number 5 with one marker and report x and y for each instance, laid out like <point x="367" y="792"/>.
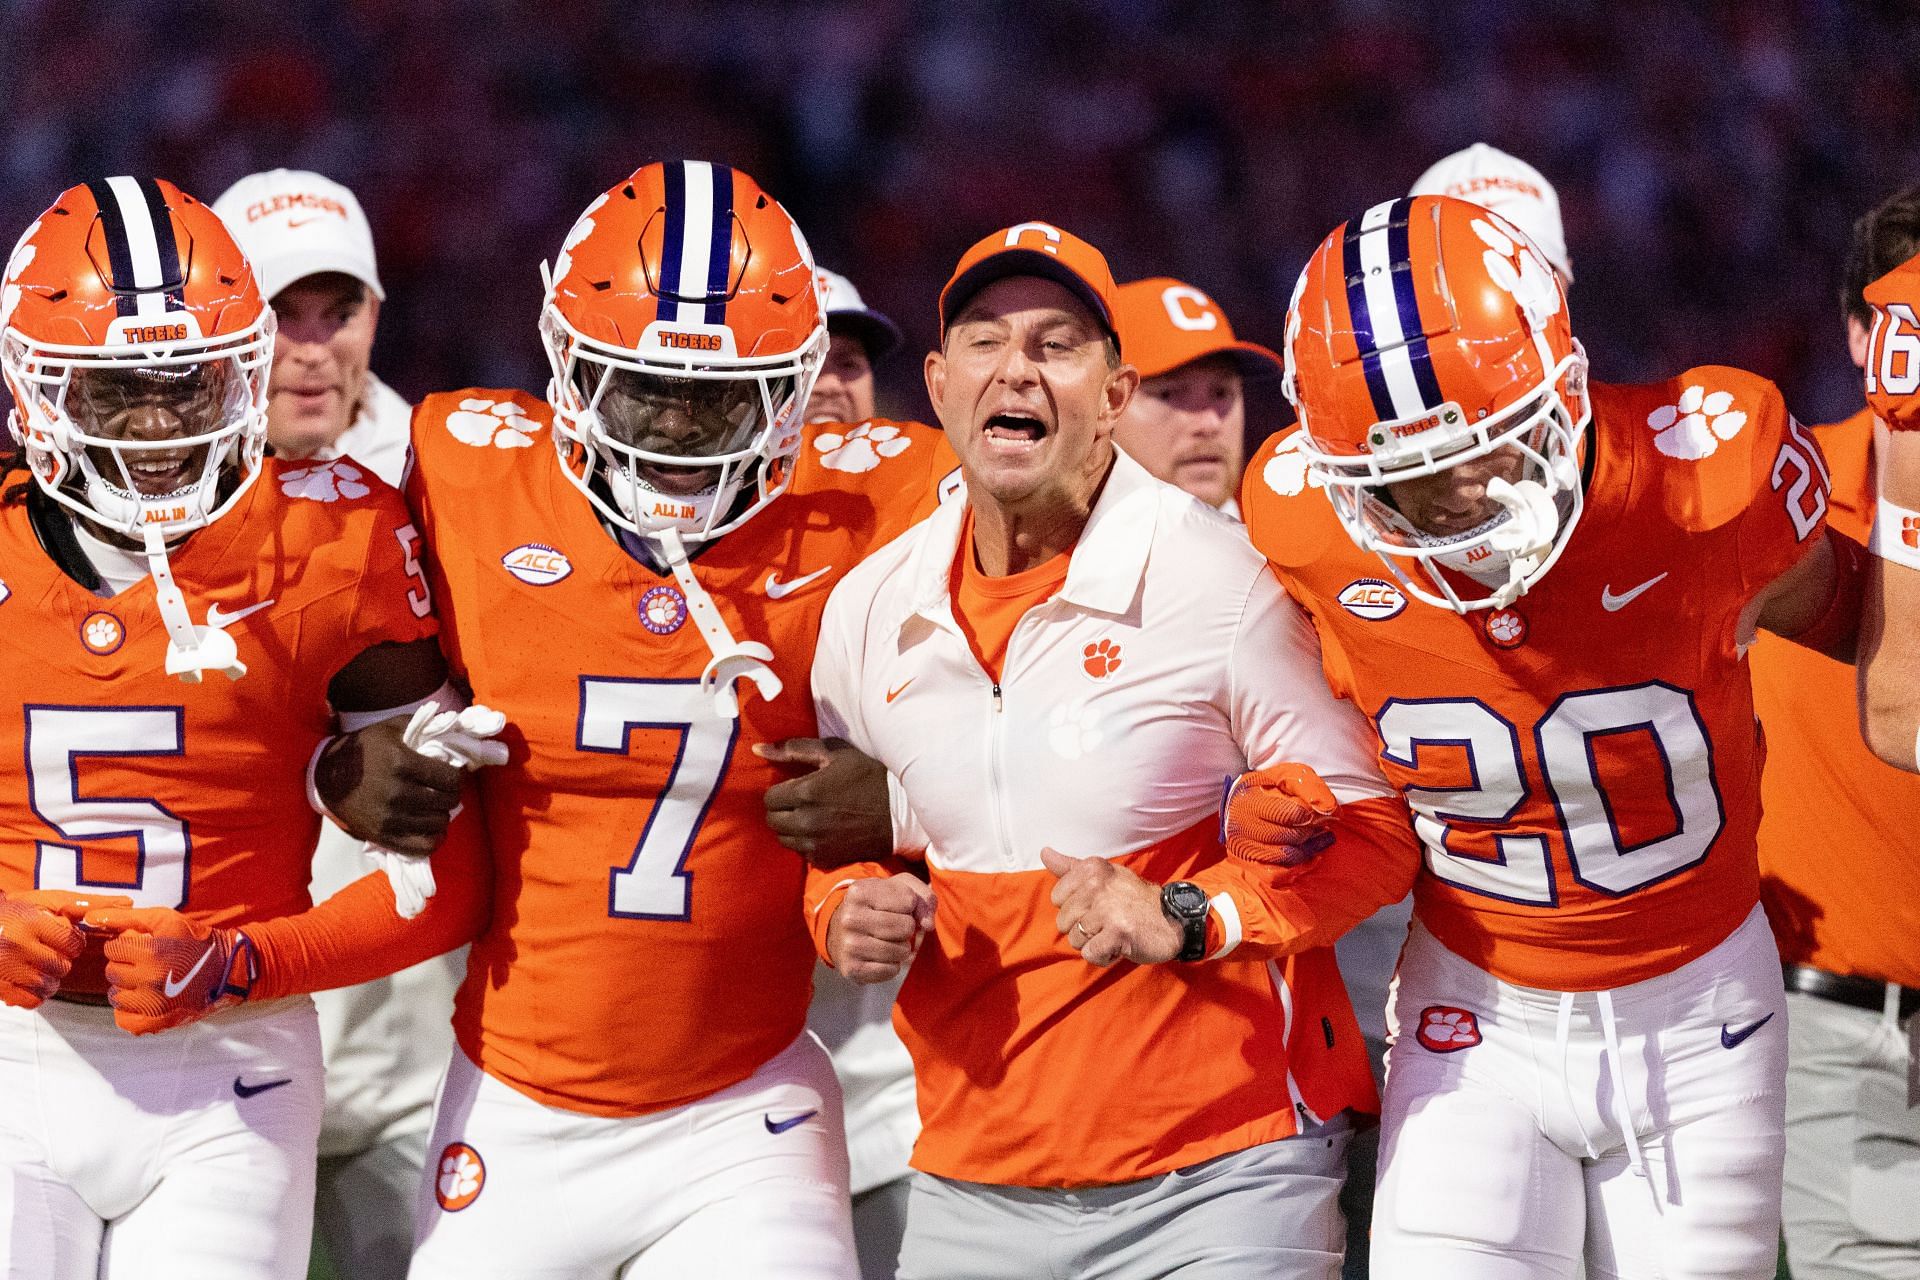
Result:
<point x="58" y="740"/>
<point x="655" y="885"/>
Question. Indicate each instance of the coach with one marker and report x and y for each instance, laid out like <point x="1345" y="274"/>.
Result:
<point x="1134" y="1055"/>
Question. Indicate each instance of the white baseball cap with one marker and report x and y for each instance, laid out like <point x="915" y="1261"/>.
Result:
<point x="847" y="312"/>
<point x="292" y="224"/>
<point x="1510" y="187"/>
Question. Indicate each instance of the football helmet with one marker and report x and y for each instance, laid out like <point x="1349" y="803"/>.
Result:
<point x="136" y="346"/>
<point x="685" y="330"/>
<point x="1425" y="334"/>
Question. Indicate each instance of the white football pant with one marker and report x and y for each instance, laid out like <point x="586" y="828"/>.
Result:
<point x="186" y="1155"/>
<point x="747" y="1183"/>
<point x="1641" y="1130"/>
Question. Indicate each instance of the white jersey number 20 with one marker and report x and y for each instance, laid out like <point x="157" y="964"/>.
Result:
<point x="1602" y="856"/>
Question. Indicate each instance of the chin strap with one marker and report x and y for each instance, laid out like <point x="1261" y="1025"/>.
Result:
<point x="732" y="659"/>
<point x="191" y="650"/>
<point x="1527" y="535"/>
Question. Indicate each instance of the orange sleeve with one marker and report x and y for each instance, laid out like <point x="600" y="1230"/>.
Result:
<point x="356" y="936"/>
<point x="1277" y="911"/>
<point x="826" y="888"/>
<point x="392" y="602"/>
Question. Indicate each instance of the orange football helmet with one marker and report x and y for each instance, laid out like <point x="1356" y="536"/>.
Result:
<point x="685" y="330"/>
<point x="136" y="346"/>
<point x="1426" y="333"/>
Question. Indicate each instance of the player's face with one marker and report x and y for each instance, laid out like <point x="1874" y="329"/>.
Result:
<point x="320" y="357"/>
<point x="844" y="390"/>
<point x="1455" y="501"/>
<point x="677" y="417"/>
<point x="1026" y="393"/>
<point x="1187" y="427"/>
<point x="149" y="408"/>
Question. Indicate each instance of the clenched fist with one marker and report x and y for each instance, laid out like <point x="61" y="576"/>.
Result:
<point x="878" y="927"/>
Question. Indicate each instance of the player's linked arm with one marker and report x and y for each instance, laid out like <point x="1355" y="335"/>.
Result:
<point x="1277" y="908"/>
<point x="1889" y="663"/>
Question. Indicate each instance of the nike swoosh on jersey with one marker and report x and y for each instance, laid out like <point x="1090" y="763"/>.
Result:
<point x="249" y="1090"/>
<point x="172" y="988"/>
<point x="1615" y="603"/>
<point x="1734" y="1039"/>
<point x="219" y="620"/>
<point x="901" y="688"/>
<point x="778" y="590"/>
<point x="781" y="1126"/>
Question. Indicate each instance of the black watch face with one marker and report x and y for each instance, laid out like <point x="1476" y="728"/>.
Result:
<point x="1187" y="899"/>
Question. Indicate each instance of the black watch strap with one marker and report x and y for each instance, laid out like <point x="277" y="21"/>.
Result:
<point x="1185" y="903"/>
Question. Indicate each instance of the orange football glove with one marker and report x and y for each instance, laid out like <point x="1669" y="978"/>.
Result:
<point x="40" y="938"/>
<point x="1277" y="816"/>
<point x="1893" y="349"/>
<point x="165" y="970"/>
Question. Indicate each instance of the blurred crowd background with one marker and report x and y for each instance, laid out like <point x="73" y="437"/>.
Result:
<point x="1709" y="156"/>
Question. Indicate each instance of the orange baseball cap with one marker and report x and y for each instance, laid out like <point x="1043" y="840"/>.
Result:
<point x="1034" y="249"/>
<point x="1167" y="323"/>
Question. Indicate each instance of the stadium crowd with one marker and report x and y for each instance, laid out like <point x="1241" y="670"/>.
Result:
<point x="1709" y="158"/>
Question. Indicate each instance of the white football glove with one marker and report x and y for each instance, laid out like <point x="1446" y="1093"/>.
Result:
<point x="462" y="738"/>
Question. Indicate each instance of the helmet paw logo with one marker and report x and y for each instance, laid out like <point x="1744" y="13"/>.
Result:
<point x="1910" y="531"/>
<point x="459" y="1177"/>
<point x="23" y="256"/>
<point x="1100" y="659"/>
<point x="102" y="633"/>
<point x="1287" y="473"/>
<point x="1075" y="730"/>
<point x="1695" y="426"/>
<point x="1517" y="267"/>
<point x="499" y="423"/>
<point x="1507" y="628"/>
<point x="862" y="448"/>
<point x="1445" y="1029"/>
<point x="325" y="482"/>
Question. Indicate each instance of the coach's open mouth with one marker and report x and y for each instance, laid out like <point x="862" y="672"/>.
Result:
<point x="1015" y="430"/>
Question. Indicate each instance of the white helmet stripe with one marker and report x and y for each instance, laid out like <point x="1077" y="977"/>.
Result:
<point x="1383" y="309"/>
<point x="143" y="245"/>
<point x="696" y="237"/>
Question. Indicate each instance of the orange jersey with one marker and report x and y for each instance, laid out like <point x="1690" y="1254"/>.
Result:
<point x="1583" y="766"/>
<point x="194" y="795"/>
<point x="1835" y="831"/>
<point x="647" y="945"/>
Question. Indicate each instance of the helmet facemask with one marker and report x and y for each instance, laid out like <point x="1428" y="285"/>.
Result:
<point x="165" y="439"/>
<point x="1537" y="512"/>
<point x="694" y="447"/>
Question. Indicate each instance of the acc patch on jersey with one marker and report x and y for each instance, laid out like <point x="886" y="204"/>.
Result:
<point x="459" y="1178"/>
<point x="537" y="564"/>
<point x="1445" y="1029"/>
<point x="1374" y="599"/>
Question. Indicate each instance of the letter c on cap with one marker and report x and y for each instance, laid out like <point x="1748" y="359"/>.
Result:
<point x="1176" y="298"/>
<point x="1052" y="234"/>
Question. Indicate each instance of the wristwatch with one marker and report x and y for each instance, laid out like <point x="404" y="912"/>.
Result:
<point x="1186" y="905"/>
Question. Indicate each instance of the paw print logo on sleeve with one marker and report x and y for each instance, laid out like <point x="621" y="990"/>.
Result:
<point x="1909" y="533"/>
<point x="460" y="1176"/>
<point x="325" y="482"/>
<point x="1100" y="659"/>
<point x="862" y="448"/>
<point x="1286" y="471"/>
<point x="1694" y="427"/>
<point x="498" y="423"/>
<point x="1445" y="1029"/>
